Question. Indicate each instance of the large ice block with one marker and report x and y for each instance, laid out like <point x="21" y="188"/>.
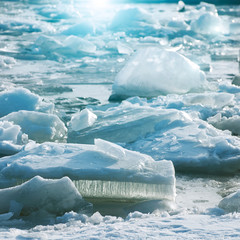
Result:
<point x="104" y="170"/>
<point x="154" y="71"/>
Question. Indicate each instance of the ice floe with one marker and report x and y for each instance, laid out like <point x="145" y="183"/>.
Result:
<point x="53" y="48"/>
<point x="38" y="126"/>
<point x="75" y="44"/>
<point x="181" y="135"/>
<point x="154" y="71"/>
<point x="103" y="170"/>
<point x="133" y="21"/>
<point x="81" y="29"/>
<point x="16" y="99"/>
<point x="193" y="146"/>
<point x="224" y="123"/>
<point x="209" y="23"/>
<point x="231" y="203"/>
<point x="83" y="119"/>
<point x="40" y="196"/>
<point x="12" y="139"/>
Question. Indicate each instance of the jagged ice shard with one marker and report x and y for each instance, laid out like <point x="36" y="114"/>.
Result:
<point x="104" y="170"/>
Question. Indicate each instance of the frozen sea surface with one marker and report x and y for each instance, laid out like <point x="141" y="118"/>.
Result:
<point x="157" y="79"/>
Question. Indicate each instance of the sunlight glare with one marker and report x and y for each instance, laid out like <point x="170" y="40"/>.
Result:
<point x="99" y="3"/>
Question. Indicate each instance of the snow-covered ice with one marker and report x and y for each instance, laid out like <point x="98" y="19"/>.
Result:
<point x="103" y="161"/>
<point x="59" y="63"/>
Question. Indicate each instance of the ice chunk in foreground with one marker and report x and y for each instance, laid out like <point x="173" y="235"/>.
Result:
<point x="104" y="170"/>
<point x="154" y="71"/>
<point x="231" y="203"/>
<point x="38" y="126"/>
<point x="82" y="120"/>
<point x="11" y="138"/>
<point x="17" y="99"/>
<point x="41" y="195"/>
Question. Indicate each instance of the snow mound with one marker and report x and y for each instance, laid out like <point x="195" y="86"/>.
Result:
<point x="154" y="71"/>
<point x="40" y="195"/>
<point x="11" y="138"/>
<point x="38" y="126"/>
<point x="82" y="120"/>
<point x="231" y="203"/>
<point x="103" y="170"/>
<point x="17" y="99"/>
<point x="208" y="23"/>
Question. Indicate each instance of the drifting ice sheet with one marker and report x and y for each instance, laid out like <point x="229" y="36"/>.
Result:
<point x="153" y="127"/>
<point x="101" y="167"/>
<point x="154" y="71"/>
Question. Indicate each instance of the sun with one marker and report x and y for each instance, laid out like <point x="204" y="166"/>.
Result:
<point x="99" y="3"/>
